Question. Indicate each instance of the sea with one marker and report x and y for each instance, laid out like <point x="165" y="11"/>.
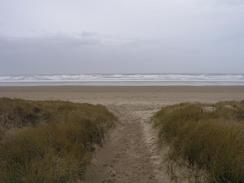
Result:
<point x="134" y="79"/>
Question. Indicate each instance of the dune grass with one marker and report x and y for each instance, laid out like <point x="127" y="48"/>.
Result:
<point x="209" y="137"/>
<point x="49" y="141"/>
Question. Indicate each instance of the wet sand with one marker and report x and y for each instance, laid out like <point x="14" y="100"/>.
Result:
<point x="152" y="95"/>
<point x="130" y="153"/>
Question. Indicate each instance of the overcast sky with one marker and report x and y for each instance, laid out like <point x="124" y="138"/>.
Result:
<point x="121" y="36"/>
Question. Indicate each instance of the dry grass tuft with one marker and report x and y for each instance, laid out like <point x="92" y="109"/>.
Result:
<point x="209" y="137"/>
<point x="49" y="141"/>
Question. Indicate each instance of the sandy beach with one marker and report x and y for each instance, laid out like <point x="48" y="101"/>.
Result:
<point x="130" y="153"/>
<point x="151" y="95"/>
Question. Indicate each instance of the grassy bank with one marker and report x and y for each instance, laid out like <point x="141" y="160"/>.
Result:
<point x="49" y="141"/>
<point x="209" y="137"/>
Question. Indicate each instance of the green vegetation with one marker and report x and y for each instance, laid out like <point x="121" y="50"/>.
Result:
<point x="49" y="141"/>
<point x="209" y="137"/>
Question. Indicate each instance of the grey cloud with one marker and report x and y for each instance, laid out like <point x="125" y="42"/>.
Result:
<point x="121" y="36"/>
<point x="230" y="2"/>
<point x="64" y="54"/>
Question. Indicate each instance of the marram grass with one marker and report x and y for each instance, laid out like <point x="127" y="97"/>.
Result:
<point x="209" y="137"/>
<point x="49" y="141"/>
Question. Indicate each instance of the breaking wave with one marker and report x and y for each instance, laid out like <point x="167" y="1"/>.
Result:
<point x="125" y="79"/>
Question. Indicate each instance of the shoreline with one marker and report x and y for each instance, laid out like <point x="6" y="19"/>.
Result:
<point x="120" y="84"/>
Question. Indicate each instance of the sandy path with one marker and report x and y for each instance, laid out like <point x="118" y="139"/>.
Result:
<point x="130" y="154"/>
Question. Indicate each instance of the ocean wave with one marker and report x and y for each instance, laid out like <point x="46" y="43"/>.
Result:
<point x="120" y="78"/>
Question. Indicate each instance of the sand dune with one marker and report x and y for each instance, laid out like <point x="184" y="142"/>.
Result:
<point x="130" y="153"/>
